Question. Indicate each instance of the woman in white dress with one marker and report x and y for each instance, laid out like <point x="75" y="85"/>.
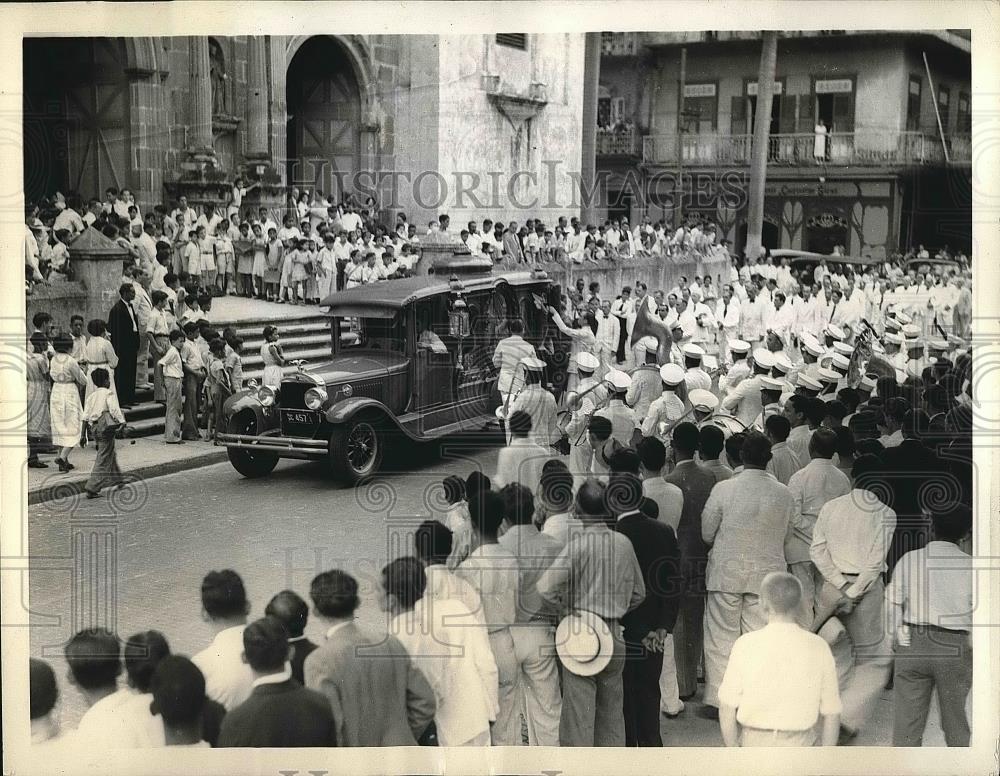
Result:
<point x="274" y="359"/>
<point x="582" y="339"/>
<point x="66" y="412"/>
<point x="99" y="353"/>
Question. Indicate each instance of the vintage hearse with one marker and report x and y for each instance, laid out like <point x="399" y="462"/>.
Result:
<point x="411" y="358"/>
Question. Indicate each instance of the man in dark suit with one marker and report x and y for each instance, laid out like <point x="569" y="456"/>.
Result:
<point x="280" y="712"/>
<point x="288" y="607"/>
<point x="123" y="325"/>
<point x="696" y="483"/>
<point x="647" y="625"/>
<point x="377" y="694"/>
<point x="914" y="475"/>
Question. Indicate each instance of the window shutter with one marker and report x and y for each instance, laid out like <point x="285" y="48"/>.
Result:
<point x="807" y="113"/>
<point x="786" y="114"/>
<point x="843" y="114"/>
<point x="518" y="40"/>
<point x="738" y="112"/>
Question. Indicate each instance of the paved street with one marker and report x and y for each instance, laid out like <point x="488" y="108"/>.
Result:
<point x="276" y="532"/>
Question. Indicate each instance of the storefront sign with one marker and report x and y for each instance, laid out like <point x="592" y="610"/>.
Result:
<point x="834" y="86"/>
<point x="827" y="189"/>
<point x="699" y="90"/>
<point x="752" y="88"/>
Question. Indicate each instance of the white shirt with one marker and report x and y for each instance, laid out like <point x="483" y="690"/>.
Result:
<point x="455" y="657"/>
<point x="521" y="462"/>
<point x="852" y="536"/>
<point x="228" y="680"/>
<point x="668" y="497"/>
<point x="105" y="725"/>
<point x="507" y="356"/>
<point x="812" y="486"/>
<point x="443" y="584"/>
<point x="781" y="677"/>
<point x="560" y="526"/>
<point x="933" y="585"/>
<point x="784" y="462"/>
<point x="276" y="678"/>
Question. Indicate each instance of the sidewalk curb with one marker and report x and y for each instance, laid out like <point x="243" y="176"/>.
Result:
<point x="74" y="487"/>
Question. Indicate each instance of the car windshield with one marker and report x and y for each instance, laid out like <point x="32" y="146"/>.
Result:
<point x="384" y="334"/>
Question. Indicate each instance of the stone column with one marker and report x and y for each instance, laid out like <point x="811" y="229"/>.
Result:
<point x="588" y="161"/>
<point x="257" y="99"/>
<point x="200" y="116"/>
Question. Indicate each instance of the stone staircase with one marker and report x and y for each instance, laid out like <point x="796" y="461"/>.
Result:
<point x="305" y="337"/>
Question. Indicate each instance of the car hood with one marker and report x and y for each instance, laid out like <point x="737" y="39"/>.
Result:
<point x="345" y="368"/>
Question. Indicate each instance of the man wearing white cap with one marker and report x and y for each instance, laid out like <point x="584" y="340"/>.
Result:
<point x="621" y="416"/>
<point x="828" y="379"/>
<point x="782" y="370"/>
<point x="744" y="400"/>
<point x="508" y="355"/>
<point x="646" y="386"/>
<point x="915" y="358"/>
<point x="770" y="392"/>
<point x="703" y="403"/>
<point x="591" y="393"/>
<point x="669" y="408"/>
<point x="694" y="375"/>
<point x="739" y="349"/>
<point x="840" y="364"/>
<point x="537" y="403"/>
<point x="894" y="350"/>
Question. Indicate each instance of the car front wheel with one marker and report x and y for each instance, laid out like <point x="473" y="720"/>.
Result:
<point x="355" y="451"/>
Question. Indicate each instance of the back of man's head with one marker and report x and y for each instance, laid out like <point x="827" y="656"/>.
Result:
<point x="43" y="690"/>
<point x="265" y="644"/>
<point x="711" y="442"/>
<point x="952" y="525"/>
<point x="624" y="492"/>
<point x="486" y="511"/>
<point x="556" y="487"/>
<point x="334" y="594"/>
<point x="94" y="658"/>
<point x="519" y="423"/>
<point x="223" y="595"/>
<point x="823" y="443"/>
<point x="600" y="427"/>
<point x="288" y="607"/>
<point x="734" y="448"/>
<point x="432" y="542"/>
<point x="777" y="427"/>
<point x="624" y="460"/>
<point x="815" y="411"/>
<point x="652" y="454"/>
<point x="915" y="423"/>
<point x="865" y="471"/>
<point x="782" y="593"/>
<point x="143" y="653"/>
<point x="756" y="451"/>
<point x="518" y="504"/>
<point x="178" y="689"/>
<point x="591" y="504"/>
<point x="685" y="439"/>
<point x="405" y="580"/>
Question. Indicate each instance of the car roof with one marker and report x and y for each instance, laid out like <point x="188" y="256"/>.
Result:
<point x="941" y="262"/>
<point x="804" y="257"/>
<point x="386" y="297"/>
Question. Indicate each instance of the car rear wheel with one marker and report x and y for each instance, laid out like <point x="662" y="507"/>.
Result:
<point x="356" y="450"/>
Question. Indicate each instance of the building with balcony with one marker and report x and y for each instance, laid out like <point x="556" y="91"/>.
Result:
<point x="892" y="169"/>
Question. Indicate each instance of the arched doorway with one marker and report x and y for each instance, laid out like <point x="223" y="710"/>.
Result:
<point x="76" y="116"/>
<point x="769" y="236"/>
<point x="324" y="118"/>
<point x="825" y="231"/>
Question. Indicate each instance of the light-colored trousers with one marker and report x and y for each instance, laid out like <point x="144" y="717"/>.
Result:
<point x="142" y="361"/>
<point x="727" y="617"/>
<point x="506" y="731"/>
<point x="538" y="682"/>
<point x="757" y="737"/>
<point x="174" y="408"/>
<point x="670" y="701"/>
<point x="593" y="711"/>
<point x="872" y="649"/>
<point x="806" y="573"/>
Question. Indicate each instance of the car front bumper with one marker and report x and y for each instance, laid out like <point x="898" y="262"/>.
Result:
<point x="285" y="447"/>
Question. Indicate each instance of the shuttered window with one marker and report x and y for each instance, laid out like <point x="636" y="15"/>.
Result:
<point x="518" y="40"/>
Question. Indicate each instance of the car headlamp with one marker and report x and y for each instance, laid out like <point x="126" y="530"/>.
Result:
<point x="266" y="395"/>
<point x="315" y="398"/>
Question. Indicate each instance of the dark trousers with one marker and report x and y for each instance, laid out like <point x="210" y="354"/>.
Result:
<point x="192" y="396"/>
<point x="939" y="659"/>
<point x="125" y="375"/>
<point x="689" y="636"/>
<point x="622" y="336"/>
<point x="641" y="685"/>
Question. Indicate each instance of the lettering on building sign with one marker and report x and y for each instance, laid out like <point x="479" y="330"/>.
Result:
<point x="699" y="90"/>
<point x="834" y="86"/>
<point x="752" y="88"/>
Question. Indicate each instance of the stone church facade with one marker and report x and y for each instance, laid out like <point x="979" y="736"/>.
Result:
<point x="471" y="125"/>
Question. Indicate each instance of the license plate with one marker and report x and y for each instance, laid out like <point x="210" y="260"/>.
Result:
<point x="299" y="416"/>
